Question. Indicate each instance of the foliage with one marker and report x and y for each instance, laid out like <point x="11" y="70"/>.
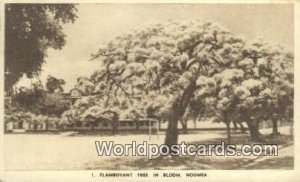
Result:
<point x="54" y="85"/>
<point x="29" y="30"/>
<point x="17" y="114"/>
<point x="38" y="101"/>
<point x="175" y="60"/>
<point x="182" y="70"/>
<point x="85" y="86"/>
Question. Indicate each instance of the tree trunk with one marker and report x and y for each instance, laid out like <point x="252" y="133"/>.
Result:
<point x="242" y="128"/>
<point x="235" y="126"/>
<point x="275" y="127"/>
<point x="227" y="122"/>
<point x="184" y="126"/>
<point x="228" y="131"/>
<point x="137" y="126"/>
<point x="195" y="123"/>
<point x="254" y="132"/>
<point x="92" y="126"/>
<point x="159" y="124"/>
<point x="35" y="126"/>
<point x="172" y="132"/>
<point x="46" y="125"/>
<point x="178" y="110"/>
<point x="114" y="127"/>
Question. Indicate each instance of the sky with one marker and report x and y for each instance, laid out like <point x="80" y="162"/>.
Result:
<point x="99" y="23"/>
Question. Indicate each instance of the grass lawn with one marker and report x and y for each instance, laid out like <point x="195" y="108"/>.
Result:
<point x="78" y="152"/>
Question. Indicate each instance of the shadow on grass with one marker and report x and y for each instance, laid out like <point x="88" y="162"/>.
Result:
<point x="108" y="133"/>
<point x="286" y="162"/>
<point x="239" y="138"/>
<point x="194" y="163"/>
<point x="204" y="162"/>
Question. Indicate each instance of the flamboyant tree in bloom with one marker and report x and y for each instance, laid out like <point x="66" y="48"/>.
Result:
<point x="268" y="86"/>
<point x="223" y="99"/>
<point x="259" y="86"/>
<point x="73" y="115"/>
<point x="168" y="60"/>
<point x="91" y="109"/>
<point x="182" y="70"/>
<point x="85" y="85"/>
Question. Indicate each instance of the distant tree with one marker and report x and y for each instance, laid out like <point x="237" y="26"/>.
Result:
<point x="53" y="104"/>
<point x="69" y="117"/>
<point x="29" y="98"/>
<point x="29" y="30"/>
<point x="257" y="87"/>
<point x="91" y="109"/>
<point x="267" y="89"/>
<point x="226" y="101"/>
<point x="39" y="101"/>
<point x="54" y="85"/>
<point x="92" y="115"/>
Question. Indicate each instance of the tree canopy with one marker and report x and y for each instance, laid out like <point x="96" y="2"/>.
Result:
<point x="55" y="85"/>
<point x="29" y="30"/>
<point x="181" y="70"/>
<point x="40" y="101"/>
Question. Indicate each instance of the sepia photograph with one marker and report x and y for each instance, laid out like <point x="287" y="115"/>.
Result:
<point x="145" y="91"/>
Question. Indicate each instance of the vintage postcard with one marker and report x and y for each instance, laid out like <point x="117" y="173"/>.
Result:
<point x="149" y="91"/>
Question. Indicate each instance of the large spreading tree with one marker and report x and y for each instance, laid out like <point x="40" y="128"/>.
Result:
<point x="170" y="60"/>
<point x="30" y="29"/>
<point x="194" y="62"/>
<point x="186" y="70"/>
